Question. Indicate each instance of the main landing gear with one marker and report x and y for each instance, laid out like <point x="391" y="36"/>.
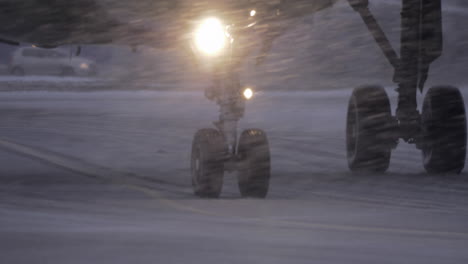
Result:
<point x="439" y="131"/>
<point x="372" y="132"/>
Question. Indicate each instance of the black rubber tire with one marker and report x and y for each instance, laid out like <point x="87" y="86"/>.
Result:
<point x="367" y="130"/>
<point x="207" y="164"/>
<point x="18" y="71"/>
<point x="444" y="130"/>
<point x="254" y="169"/>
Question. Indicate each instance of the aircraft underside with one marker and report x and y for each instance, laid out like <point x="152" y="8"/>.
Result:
<point x="372" y="132"/>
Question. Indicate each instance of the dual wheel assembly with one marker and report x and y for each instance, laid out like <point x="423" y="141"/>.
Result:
<point x="211" y="158"/>
<point x="372" y="132"/>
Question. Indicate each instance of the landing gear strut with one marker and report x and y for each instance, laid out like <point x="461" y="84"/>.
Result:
<point x="439" y="131"/>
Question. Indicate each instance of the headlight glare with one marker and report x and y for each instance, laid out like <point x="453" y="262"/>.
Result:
<point x="248" y="93"/>
<point x="210" y="36"/>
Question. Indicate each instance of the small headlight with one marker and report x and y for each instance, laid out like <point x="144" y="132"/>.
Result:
<point x="248" y="93"/>
<point x="210" y="36"/>
<point x="84" y="66"/>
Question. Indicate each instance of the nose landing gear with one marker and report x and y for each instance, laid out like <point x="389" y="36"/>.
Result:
<point x="215" y="151"/>
<point x="211" y="157"/>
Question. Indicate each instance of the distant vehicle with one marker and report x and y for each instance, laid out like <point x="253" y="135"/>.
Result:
<point x="37" y="61"/>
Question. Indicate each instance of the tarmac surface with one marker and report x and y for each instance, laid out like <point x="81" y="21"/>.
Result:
<point x="103" y="177"/>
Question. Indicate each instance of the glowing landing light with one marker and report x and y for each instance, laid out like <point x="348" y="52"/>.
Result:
<point x="253" y="13"/>
<point x="210" y="36"/>
<point x="248" y="93"/>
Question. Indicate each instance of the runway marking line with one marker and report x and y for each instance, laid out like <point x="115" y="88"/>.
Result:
<point x="94" y="172"/>
<point x="90" y="171"/>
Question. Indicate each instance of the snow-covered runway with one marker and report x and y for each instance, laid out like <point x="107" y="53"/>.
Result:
<point x="104" y="178"/>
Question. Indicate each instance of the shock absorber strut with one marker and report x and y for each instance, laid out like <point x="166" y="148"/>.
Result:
<point x="420" y="45"/>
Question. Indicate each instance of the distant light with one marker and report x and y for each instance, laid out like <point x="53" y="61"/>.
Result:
<point x="248" y="93"/>
<point x="253" y="13"/>
<point x="34" y="46"/>
<point x="84" y="66"/>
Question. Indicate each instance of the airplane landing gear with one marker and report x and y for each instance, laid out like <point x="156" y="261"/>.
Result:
<point x="372" y="132"/>
<point x="440" y="130"/>
<point x="211" y="157"/>
<point x="215" y="151"/>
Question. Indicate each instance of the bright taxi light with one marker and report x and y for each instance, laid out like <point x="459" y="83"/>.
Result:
<point x="248" y="93"/>
<point x="253" y="13"/>
<point x="210" y="36"/>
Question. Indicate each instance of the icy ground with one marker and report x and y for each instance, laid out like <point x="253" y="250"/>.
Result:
<point x="103" y="177"/>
